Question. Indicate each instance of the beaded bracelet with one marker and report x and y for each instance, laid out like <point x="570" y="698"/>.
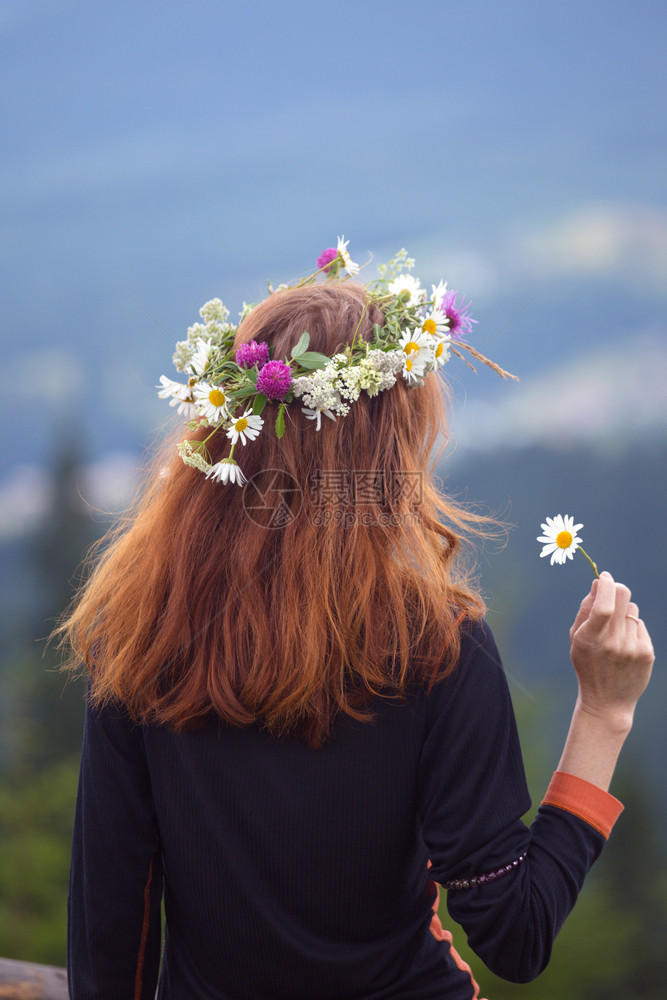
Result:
<point x="470" y="883"/>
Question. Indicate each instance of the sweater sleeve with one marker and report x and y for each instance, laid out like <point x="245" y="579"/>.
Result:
<point x="473" y="795"/>
<point x="115" y="889"/>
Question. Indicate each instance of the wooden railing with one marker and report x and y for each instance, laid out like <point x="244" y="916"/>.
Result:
<point x="27" y="981"/>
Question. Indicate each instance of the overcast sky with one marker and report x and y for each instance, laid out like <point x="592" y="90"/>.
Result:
<point x="158" y="154"/>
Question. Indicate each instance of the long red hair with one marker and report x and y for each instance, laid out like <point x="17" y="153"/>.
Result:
<point x="195" y="604"/>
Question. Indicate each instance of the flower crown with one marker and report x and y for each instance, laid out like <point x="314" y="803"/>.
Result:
<point x="419" y="335"/>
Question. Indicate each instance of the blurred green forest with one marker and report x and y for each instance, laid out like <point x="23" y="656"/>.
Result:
<point x="612" y="946"/>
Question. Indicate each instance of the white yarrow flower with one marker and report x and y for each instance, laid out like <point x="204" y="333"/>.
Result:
<point x="247" y="426"/>
<point x="387" y="362"/>
<point x="319" y="390"/>
<point x="192" y="456"/>
<point x="196" y="332"/>
<point x="214" y="311"/>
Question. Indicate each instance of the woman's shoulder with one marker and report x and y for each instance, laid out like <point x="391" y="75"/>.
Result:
<point x="478" y="678"/>
<point x="478" y="642"/>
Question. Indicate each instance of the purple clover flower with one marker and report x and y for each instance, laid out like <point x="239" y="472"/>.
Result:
<point x="253" y="353"/>
<point x="274" y="380"/>
<point x="326" y="258"/>
<point x="460" y="323"/>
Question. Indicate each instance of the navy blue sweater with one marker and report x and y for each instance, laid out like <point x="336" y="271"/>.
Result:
<point x="292" y="873"/>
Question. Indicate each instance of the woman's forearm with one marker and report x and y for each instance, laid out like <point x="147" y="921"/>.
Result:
<point x="593" y="744"/>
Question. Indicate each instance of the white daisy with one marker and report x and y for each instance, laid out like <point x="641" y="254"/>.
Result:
<point x="211" y="402"/>
<point x="317" y="415"/>
<point x="201" y="357"/>
<point x="170" y="388"/>
<point x="435" y="322"/>
<point x="226" y="471"/>
<point x="438" y="294"/>
<point x="560" y="538"/>
<point x="348" y="263"/>
<point x="249" y="425"/>
<point x="441" y="352"/>
<point x="179" y="395"/>
<point x="407" y="283"/>
<point x="415" y="341"/>
<point x="414" y="367"/>
<point x="187" y="410"/>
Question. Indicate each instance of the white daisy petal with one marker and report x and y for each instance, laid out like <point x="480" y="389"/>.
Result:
<point x="226" y="471"/>
<point x="317" y="415"/>
<point x="186" y="409"/>
<point x="201" y="357"/>
<point x="179" y="395"/>
<point x="438" y="293"/>
<point x="548" y="549"/>
<point x="348" y="263"/>
<point x="170" y="388"/>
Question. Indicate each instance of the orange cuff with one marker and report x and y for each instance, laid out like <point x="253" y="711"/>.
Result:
<point x="583" y="799"/>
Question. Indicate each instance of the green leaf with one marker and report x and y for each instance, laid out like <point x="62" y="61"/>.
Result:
<point x="302" y="345"/>
<point x="259" y="404"/>
<point x="280" y="421"/>
<point x="243" y="391"/>
<point x="251" y="374"/>
<point x="312" y="359"/>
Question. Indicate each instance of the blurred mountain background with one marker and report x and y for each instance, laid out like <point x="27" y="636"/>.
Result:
<point x="158" y="155"/>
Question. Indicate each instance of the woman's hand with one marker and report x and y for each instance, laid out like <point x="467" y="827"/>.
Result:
<point x="611" y="652"/>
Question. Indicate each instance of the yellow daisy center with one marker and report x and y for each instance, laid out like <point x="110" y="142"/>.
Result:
<point x="408" y="365"/>
<point x="429" y="326"/>
<point x="411" y="346"/>
<point x="563" y="539"/>
<point x="439" y="349"/>
<point x="241" y="424"/>
<point x="216" y="397"/>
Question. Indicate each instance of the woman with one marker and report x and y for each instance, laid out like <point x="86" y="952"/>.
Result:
<point x="288" y="721"/>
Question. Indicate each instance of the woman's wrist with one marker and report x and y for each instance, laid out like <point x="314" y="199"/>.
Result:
<point x="616" y="719"/>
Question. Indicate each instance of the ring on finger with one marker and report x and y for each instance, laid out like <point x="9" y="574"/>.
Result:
<point x="632" y="618"/>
